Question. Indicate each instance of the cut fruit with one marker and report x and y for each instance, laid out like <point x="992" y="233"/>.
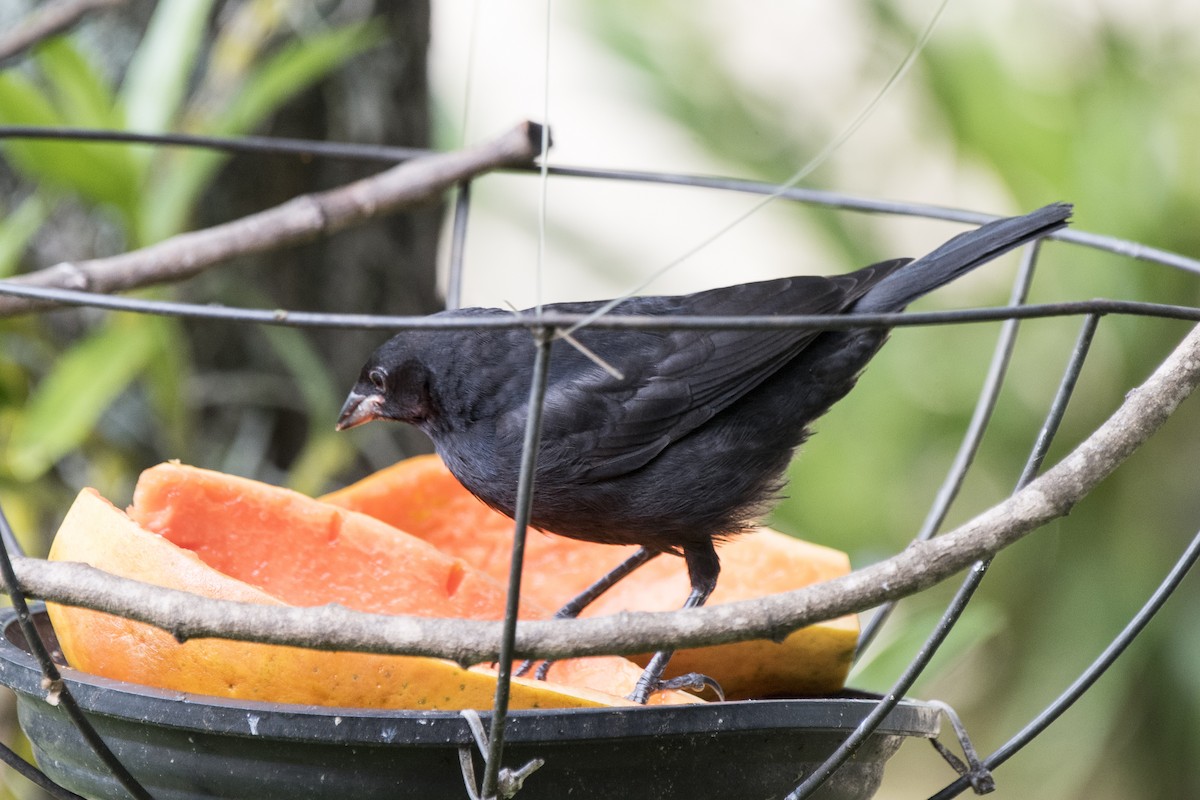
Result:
<point x="421" y="496"/>
<point x="230" y="538"/>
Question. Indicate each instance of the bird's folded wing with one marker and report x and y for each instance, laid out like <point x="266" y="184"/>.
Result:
<point x="672" y="382"/>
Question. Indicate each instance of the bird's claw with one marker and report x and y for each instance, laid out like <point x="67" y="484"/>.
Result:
<point x="541" y="672"/>
<point x="695" y="682"/>
<point x="692" y="681"/>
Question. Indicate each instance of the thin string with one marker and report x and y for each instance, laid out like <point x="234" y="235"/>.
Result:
<point x="469" y="83"/>
<point x="802" y="173"/>
<point x="544" y="166"/>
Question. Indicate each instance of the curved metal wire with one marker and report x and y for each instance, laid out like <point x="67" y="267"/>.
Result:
<point x="973" y="437"/>
<point x="970" y="584"/>
<point x="549" y="322"/>
<point x="814" y="197"/>
<point x="552" y="319"/>
<point x="57" y="692"/>
<point x="1090" y="675"/>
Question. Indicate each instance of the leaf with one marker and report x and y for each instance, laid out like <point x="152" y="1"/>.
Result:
<point x="17" y="228"/>
<point x="22" y="512"/>
<point x="296" y="67"/>
<point x="90" y="170"/>
<point x="70" y="400"/>
<point x="907" y="632"/>
<point x="81" y="95"/>
<point x="309" y="372"/>
<point x="324" y="456"/>
<point x="324" y="453"/>
<point x="166" y="384"/>
<point x="163" y="63"/>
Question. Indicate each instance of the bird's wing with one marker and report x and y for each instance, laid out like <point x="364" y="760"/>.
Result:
<point x="674" y="381"/>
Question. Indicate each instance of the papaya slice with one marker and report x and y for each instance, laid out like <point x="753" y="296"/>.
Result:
<point x="421" y="496"/>
<point x="226" y="537"/>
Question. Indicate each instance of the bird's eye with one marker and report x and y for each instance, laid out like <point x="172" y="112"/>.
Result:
<point x="378" y="379"/>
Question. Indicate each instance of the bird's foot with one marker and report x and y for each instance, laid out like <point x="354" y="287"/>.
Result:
<point x="692" y="681"/>
<point x="541" y="672"/>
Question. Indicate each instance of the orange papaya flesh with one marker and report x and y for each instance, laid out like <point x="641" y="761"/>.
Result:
<point x="421" y="496"/>
<point x="284" y="548"/>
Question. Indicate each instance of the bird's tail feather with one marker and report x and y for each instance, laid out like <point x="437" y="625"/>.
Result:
<point x="959" y="256"/>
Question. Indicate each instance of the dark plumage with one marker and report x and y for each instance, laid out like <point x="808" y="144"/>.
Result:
<point x="690" y="444"/>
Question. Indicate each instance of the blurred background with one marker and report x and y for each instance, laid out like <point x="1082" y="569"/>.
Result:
<point x="1011" y="105"/>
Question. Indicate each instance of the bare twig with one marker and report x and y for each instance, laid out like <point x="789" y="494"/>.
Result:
<point x="921" y="565"/>
<point x="49" y="20"/>
<point x="412" y="183"/>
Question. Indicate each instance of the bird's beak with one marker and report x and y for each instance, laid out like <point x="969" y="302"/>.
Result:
<point x="359" y="408"/>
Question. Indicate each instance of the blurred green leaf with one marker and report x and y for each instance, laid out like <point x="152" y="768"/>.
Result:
<point x="162" y="65"/>
<point x="310" y="374"/>
<point x="95" y="171"/>
<point x="907" y="631"/>
<point x="66" y="405"/>
<point x="21" y="509"/>
<point x="296" y="67"/>
<point x="166" y="379"/>
<point x="17" y="228"/>
<point x="324" y="451"/>
<point x="323" y="457"/>
<point x="80" y="94"/>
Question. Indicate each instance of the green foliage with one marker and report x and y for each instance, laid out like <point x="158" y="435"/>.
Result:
<point x="251" y="99"/>
<point x="98" y="173"/>
<point x="1045" y="102"/>
<point x="64" y="408"/>
<point x="17" y="229"/>
<point x="324" y="452"/>
<point x="90" y="398"/>
<point x="57" y="402"/>
<point x="900" y="640"/>
<point x="156" y="82"/>
<point x="1036" y="102"/>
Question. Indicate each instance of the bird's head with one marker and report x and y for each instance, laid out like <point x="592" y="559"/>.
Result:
<point x="393" y="385"/>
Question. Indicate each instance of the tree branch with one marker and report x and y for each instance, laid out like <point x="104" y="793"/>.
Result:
<point x="49" y="20"/>
<point x="300" y="219"/>
<point x="919" y="566"/>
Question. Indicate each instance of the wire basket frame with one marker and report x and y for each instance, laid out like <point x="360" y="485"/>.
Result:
<point x="974" y="773"/>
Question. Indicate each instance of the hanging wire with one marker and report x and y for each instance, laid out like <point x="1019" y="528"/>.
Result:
<point x="468" y="90"/>
<point x="305" y="149"/>
<point x="543" y="165"/>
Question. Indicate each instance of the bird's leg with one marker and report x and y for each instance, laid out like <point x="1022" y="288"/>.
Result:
<point x="585" y="598"/>
<point x="703" y="569"/>
<point x="617" y="573"/>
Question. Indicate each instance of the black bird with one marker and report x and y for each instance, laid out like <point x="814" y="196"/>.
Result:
<point x="689" y="444"/>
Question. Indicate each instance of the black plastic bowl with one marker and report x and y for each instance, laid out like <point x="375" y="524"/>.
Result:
<point x="192" y="746"/>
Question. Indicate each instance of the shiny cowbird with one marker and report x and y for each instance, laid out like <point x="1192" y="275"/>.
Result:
<point x="689" y="443"/>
